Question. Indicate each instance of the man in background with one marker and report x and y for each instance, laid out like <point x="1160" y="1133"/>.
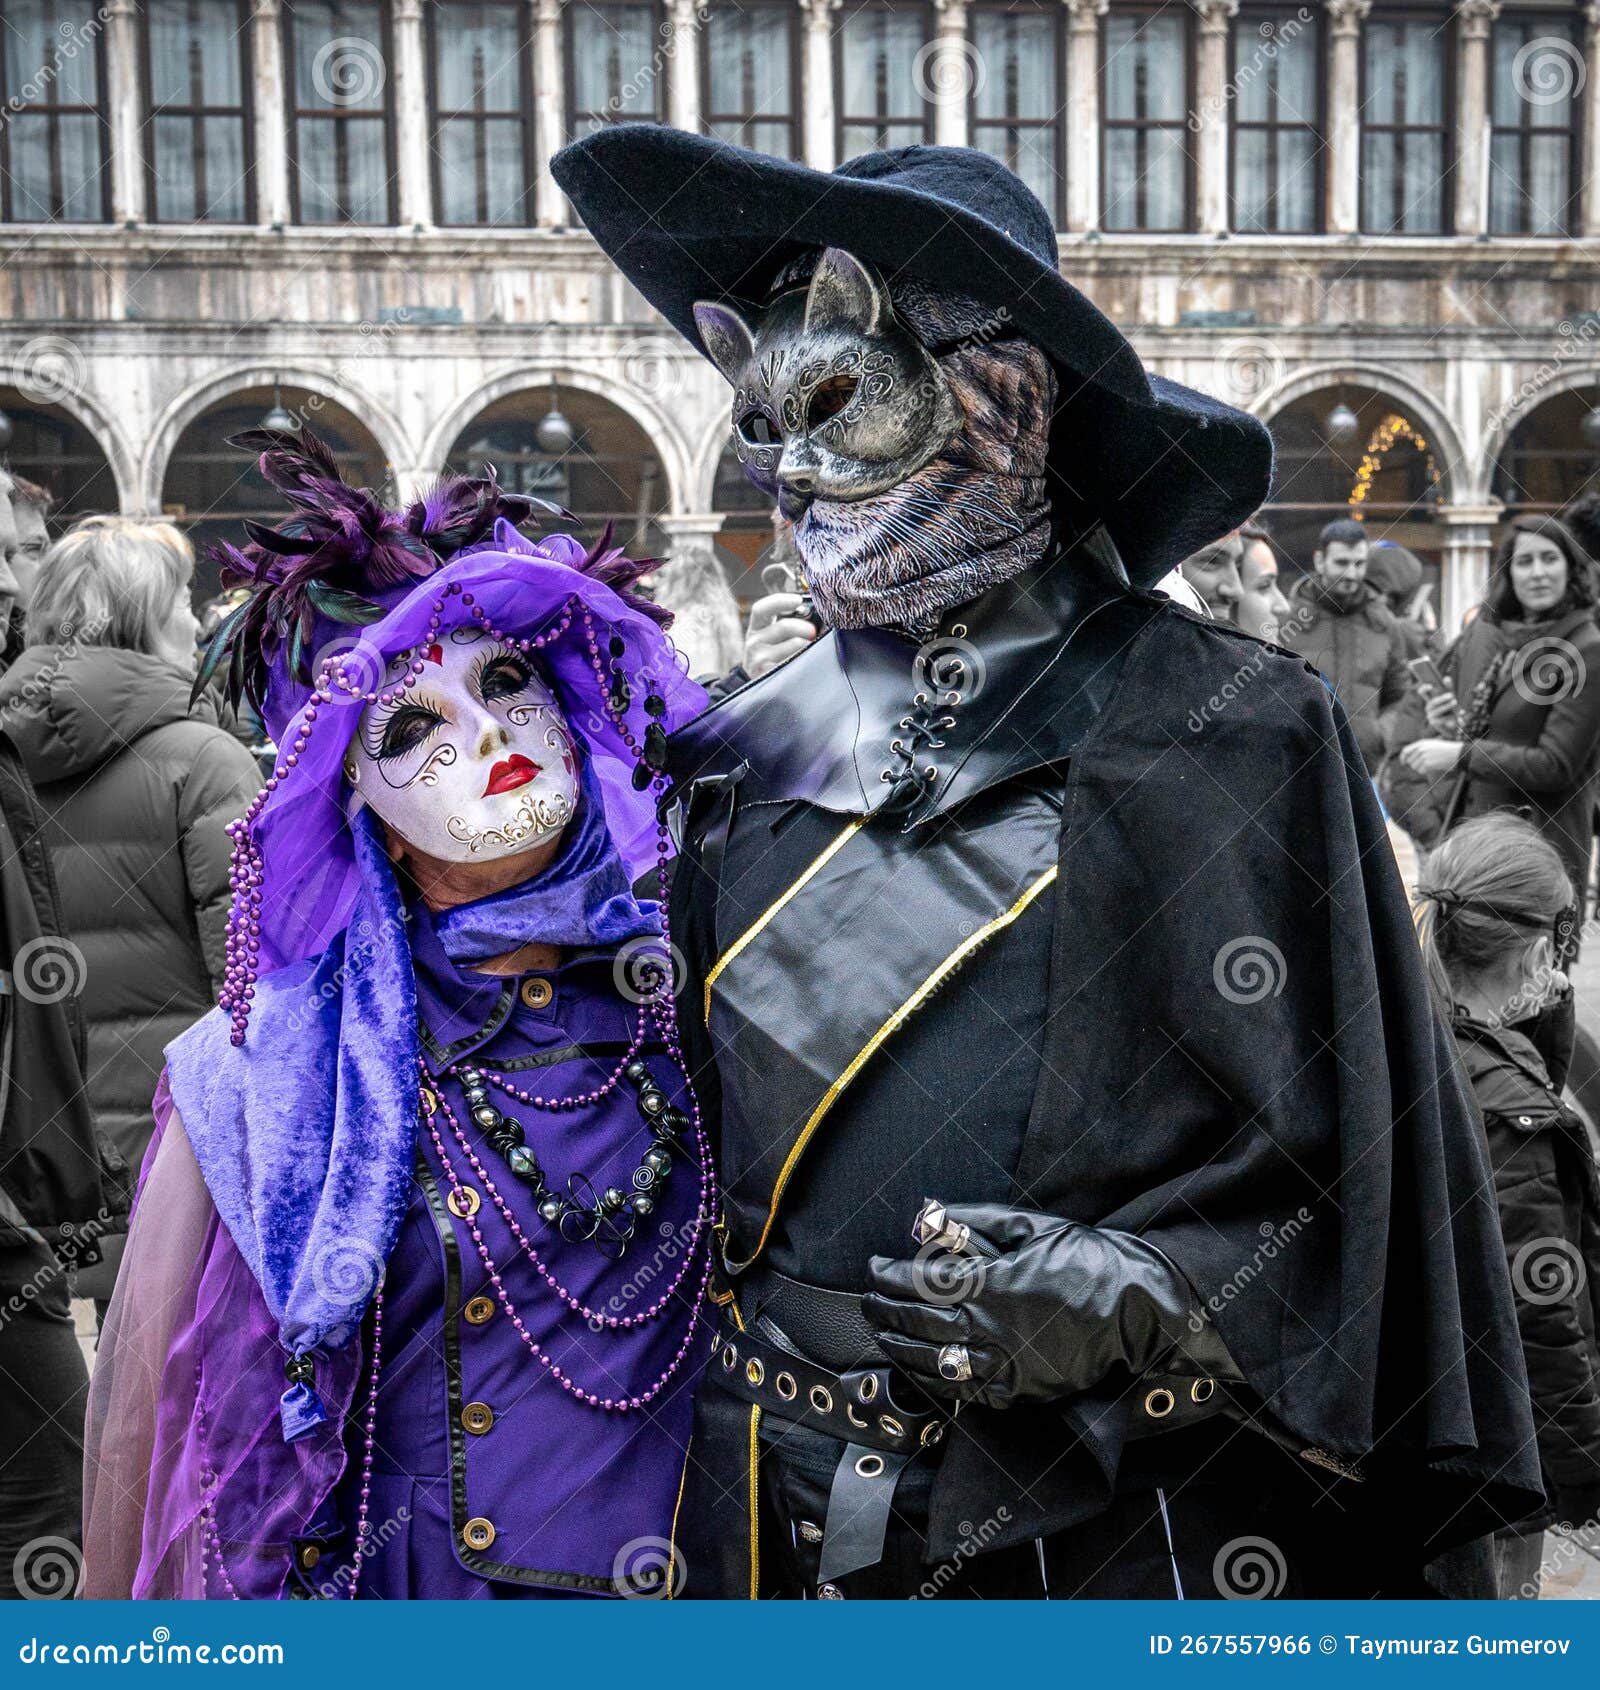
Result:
<point x="1213" y="572"/>
<point x="1342" y="626"/>
<point x="31" y="505"/>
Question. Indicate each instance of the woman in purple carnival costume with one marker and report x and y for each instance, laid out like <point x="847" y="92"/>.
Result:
<point x="411" y="1301"/>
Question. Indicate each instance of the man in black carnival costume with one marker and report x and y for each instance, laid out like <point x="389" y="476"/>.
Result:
<point x="1104" y="1214"/>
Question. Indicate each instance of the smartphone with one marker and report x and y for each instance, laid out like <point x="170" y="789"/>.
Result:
<point x="1426" y="673"/>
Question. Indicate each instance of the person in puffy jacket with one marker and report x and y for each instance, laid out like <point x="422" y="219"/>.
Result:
<point x="1494" y="908"/>
<point x="1340" y="624"/>
<point x="135" y="794"/>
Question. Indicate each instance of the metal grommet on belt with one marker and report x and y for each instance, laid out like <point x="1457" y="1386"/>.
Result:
<point x="754" y="1371"/>
<point x="1202" y="1390"/>
<point x="822" y="1399"/>
<point x="854" y="1416"/>
<point x="931" y="1433"/>
<point x="890" y="1427"/>
<point x="869" y="1466"/>
<point x="867" y="1390"/>
<point x="787" y="1388"/>
<point x="1160" y="1403"/>
<point x="830" y="1593"/>
<point x="730" y="1357"/>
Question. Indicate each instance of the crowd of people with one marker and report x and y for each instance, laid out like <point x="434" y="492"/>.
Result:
<point x="117" y="791"/>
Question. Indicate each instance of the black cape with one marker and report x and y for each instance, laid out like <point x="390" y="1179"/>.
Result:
<point x="1242" y="1061"/>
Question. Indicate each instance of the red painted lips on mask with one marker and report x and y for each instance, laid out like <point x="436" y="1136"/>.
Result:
<point x="506" y="776"/>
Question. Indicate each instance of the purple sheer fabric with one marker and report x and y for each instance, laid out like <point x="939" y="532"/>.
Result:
<point x="179" y="1428"/>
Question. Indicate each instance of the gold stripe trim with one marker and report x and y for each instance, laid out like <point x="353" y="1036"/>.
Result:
<point x="672" y="1535"/>
<point x="777" y="904"/>
<point x="906" y="1010"/>
<point x="755" y="1509"/>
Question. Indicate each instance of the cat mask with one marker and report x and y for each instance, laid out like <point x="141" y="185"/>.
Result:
<point x="841" y="401"/>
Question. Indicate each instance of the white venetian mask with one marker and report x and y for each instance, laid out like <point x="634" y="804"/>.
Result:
<point x="473" y="761"/>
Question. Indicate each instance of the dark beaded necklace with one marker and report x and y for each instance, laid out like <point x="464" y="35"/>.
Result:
<point x="579" y="1215"/>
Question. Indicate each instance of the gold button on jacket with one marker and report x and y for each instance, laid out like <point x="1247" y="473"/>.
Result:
<point x="477" y="1417"/>
<point x="478" y="1533"/>
<point x="479" y="1310"/>
<point x="537" y="992"/>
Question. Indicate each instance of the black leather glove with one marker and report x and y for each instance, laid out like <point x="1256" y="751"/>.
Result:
<point x="1045" y="1307"/>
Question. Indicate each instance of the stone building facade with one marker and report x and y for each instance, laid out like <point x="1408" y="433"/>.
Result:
<point x="1377" y="228"/>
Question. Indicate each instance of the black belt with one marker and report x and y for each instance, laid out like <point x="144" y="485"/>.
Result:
<point x="862" y="1405"/>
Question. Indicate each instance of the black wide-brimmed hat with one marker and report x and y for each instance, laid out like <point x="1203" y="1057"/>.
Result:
<point x="689" y="217"/>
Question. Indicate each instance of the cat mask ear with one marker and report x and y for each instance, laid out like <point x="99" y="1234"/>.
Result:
<point x="845" y="294"/>
<point x="727" y="338"/>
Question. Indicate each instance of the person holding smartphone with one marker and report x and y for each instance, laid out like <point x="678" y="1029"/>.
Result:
<point x="1513" y="713"/>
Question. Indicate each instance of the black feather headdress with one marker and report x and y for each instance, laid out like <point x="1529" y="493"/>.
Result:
<point x="343" y="549"/>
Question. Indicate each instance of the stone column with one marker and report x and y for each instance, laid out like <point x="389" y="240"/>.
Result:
<point x="1468" y="546"/>
<point x="822" y="109"/>
<point x="124" y="96"/>
<point x="1083" y="113"/>
<point x="707" y="627"/>
<point x="948" y="72"/>
<point x="685" y="20"/>
<point x="1211" y="114"/>
<point x="273" y="101"/>
<point x="409" y="91"/>
<point x="1474" y="19"/>
<point x="1590" y="222"/>
<point x="549" y="111"/>
<point x="1344" y="114"/>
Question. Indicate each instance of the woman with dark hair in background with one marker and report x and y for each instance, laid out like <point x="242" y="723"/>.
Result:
<point x="1492" y="910"/>
<point x="1517" y="725"/>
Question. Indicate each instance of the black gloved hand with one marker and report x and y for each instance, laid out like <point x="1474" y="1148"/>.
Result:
<point x="1046" y="1307"/>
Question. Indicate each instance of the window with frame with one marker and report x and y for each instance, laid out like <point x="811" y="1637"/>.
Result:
<point x="881" y="73"/>
<point x="480" y="105"/>
<point x="341" y="166"/>
<point x="197" y="93"/>
<point x="616" y="64"/>
<point x="750" y="75"/>
<point x="1277" y="142"/>
<point x="1405" y="123"/>
<point x="1147" y="167"/>
<point x="53" y="154"/>
<point x="1536" y="75"/>
<point x="1015" y="103"/>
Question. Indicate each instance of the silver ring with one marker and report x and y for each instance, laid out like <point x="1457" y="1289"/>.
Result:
<point x="955" y="1364"/>
<point x="934" y="1226"/>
